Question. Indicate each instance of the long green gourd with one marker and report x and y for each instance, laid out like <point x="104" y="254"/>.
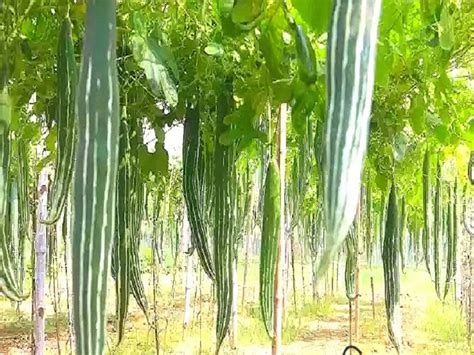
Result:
<point x="224" y="237"/>
<point x="455" y="227"/>
<point x="67" y="81"/>
<point x="23" y="204"/>
<point x="450" y="243"/>
<point x="401" y="239"/>
<point x="306" y="56"/>
<point x="192" y="183"/>
<point x="352" y="42"/>
<point x="382" y="219"/>
<point x="137" y="204"/>
<point x="8" y="284"/>
<point x="121" y="249"/>
<point x="370" y="240"/>
<point x="351" y="263"/>
<point x="95" y="176"/>
<point x="269" y="244"/>
<point x="391" y="270"/>
<point x="427" y="208"/>
<point x="438" y="230"/>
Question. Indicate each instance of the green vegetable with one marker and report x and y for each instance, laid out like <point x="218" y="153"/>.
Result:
<point x="427" y="210"/>
<point x="95" y="176"/>
<point x="352" y="42"/>
<point x="224" y="238"/>
<point x="401" y="239"/>
<point x="122" y="244"/>
<point x="306" y="56"/>
<point x="192" y="184"/>
<point x="438" y="230"/>
<point x="67" y="81"/>
<point x="351" y="263"/>
<point x="8" y="284"/>
<point x="450" y="262"/>
<point x="391" y="269"/>
<point x="269" y="244"/>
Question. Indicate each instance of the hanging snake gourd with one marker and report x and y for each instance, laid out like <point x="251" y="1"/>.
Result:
<point x="95" y="175"/>
<point x="193" y="181"/>
<point x="269" y="243"/>
<point x="391" y="270"/>
<point x="8" y="283"/>
<point x="67" y="81"/>
<point x="352" y="42"/>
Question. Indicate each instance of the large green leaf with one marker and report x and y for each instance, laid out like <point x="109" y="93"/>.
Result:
<point x="245" y="11"/>
<point x="418" y="115"/>
<point x="446" y="30"/>
<point x="155" y="163"/>
<point x="159" y="67"/>
<point x="315" y="13"/>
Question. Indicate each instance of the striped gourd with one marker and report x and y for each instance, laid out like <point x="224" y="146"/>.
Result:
<point x="438" y="230"/>
<point x="121" y="249"/>
<point x="401" y="239"/>
<point x="95" y="175"/>
<point x="223" y="217"/>
<point x="67" y="81"/>
<point x="136" y="216"/>
<point x="351" y="263"/>
<point x="382" y="219"/>
<point x="391" y="269"/>
<point x="369" y="240"/>
<point x="192" y="184"/>
<point x="352" y="42"/>
<point x="23" y="204"/>
<point x="269" y="243"/>
<point x="427" y="208"/>
<point x="455" y="227"/>
<point x="306" y="56"/>
<point x="450" y="262"/>
<point x="8" y="284"/>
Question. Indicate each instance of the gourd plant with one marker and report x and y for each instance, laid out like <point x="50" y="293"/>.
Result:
<point x="220" y="67"/>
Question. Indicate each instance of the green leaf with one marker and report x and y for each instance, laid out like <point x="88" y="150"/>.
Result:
<point x="315" y="14"/>
<point x="271" y="45"/>
<point x="384" y="65"/>
<point x="446" y="30"/>
<point x="155" y="163"/>
<point x="30" y="132"/>
<point x="302" y="108"/>
<point x="442" y="134"/>
<point x="245" y="11"/>
<point x="418" y="115"/>
<point x="214" y="50"/>
<point x="50" y="141"/>
<point x="45" y="161"/>
<point x="159" y="66"/>
<point x="225" y="7"/>
<point x="381" y="181"/>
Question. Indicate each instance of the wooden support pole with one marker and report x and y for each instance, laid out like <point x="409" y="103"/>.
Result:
<point x="40" y="265"/>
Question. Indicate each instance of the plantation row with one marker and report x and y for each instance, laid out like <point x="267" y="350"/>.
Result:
<point x="348" y="125"/>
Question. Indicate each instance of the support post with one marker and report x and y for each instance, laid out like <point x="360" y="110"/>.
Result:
<point x="40" y="265"/>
